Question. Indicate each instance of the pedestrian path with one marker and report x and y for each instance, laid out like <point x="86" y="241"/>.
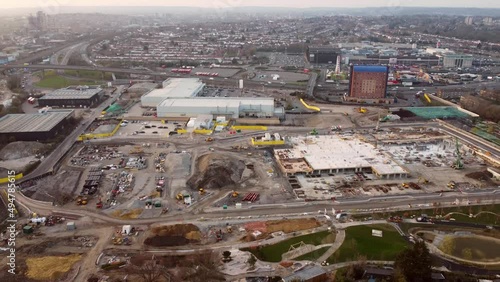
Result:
<point x="339" y="239"/>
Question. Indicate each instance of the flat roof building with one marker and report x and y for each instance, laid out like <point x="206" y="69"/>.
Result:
<point x="368" y="82"/>
<point x="311" y="273"/>
<point x="173" y="88"/>
<point x="33" y="127"/>
<point x="230" y="107"/>
<point x="322" y="54"/>
<point x="336" y="154"/>
<point x="73" y="97"/>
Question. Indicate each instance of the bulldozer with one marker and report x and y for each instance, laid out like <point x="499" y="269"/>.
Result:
<point x="179" y="197"/>
<point x="82" y="200"/>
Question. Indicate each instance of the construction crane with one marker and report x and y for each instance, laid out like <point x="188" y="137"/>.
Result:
<point x="458" y="162"/>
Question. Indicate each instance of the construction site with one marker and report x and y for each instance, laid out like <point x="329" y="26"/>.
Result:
<point x="132" y="186"/>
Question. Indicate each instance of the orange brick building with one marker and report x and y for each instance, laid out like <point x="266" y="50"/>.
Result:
<point x="368" y="82"/>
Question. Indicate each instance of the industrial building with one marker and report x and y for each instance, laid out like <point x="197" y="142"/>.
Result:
<point x="322" y="54"/>
<point x="336" y="154"/>
<point x="429" y="60"/>
<point x="173" y="88"/>
<point x="456" y="61"/>
<point x="34" y="127"/>
<point x="229" y="107"/>
<point x="73" y="97"/>
<point x="368" y="83"/>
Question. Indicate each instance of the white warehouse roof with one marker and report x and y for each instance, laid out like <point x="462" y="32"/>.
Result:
<point x="173" y="88"/>
<point x="229" y="102"/>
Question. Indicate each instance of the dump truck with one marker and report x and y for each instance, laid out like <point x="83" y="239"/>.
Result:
<point x="82" y="200"/>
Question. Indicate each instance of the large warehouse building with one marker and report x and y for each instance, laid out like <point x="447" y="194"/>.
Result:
<point x="173" y="88"/>
<point x="73" y="97"/>
<point x="33" y="127"/>
<point x="368" y="83"/>
<point x="217" y="106"/>
<point x="322" y="55"/>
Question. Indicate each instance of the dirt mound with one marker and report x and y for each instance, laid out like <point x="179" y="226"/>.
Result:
<point x="216" y="171"/>
<point x="480" y="175"/>
<point x="22" y="149"/>
<point x="173" y="235"/>
<point x="286" y="226"/>
<point x="59" y="188"/>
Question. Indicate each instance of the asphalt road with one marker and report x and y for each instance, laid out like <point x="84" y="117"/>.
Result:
<point x="50" y="161"/>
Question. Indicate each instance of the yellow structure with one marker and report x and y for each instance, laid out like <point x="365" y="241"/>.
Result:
<point x="6" y="179"/>
<point x="202" y="131"/>
<point x="99" y="135"/>
<point x="313" y="108"/>
<point x="267" y="143"/>
<point x="181" y="131"/>
<point x="427" y="98"/>
<point x="249" y="127"/>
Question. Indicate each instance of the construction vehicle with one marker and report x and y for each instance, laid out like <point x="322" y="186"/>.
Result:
<point x="229" y="229"/>
<point x="98" y="205"/>
<point x="179" y="197"/>
<point x="82" y="200"/>
<point x="234" y="194"/>
<point x="218" y="235"/>
<point x="362" y="110"/>
<point x="202" y="191"/>
<point x="451" y="184"/>
<point x="314" y="132"/>
<point x="423" y="180"/>
<point x="405" y="185"/>
<point x="458" y="164"/>
<point x="209" y="139"/>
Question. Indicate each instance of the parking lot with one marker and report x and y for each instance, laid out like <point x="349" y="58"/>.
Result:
<point x="155" y="128"/>
<point x="286" y="60"/>
<point x="267" y="76"/>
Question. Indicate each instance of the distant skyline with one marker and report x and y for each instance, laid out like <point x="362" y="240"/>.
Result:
<point x="41" y="4"/>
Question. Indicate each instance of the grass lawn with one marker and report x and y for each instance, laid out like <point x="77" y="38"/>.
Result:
<point x="88" y="74"/>
<point x="55" y="81"/>
<point x="314" y="255"/>
<point x="272" y="253"/>
<point x="360" y="242"/>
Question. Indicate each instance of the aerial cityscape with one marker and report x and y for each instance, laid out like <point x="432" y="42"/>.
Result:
<point x="259" y="142"/>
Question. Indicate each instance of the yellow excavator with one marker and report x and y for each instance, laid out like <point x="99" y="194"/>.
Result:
<point x="202" y="191"/>
<point x="235" y="194"/>
<point x="179" y="197"/>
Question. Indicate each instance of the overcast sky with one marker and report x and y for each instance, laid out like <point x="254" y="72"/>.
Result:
<point x="237" y="3"/>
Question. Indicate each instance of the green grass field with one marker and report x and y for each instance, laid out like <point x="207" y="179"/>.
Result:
<point x="97" y="75"/>
<point x="360" y="242"/>
<point x="314" y="255"/>
<point x="56" y="81"/>
<point x="272" y="253"/>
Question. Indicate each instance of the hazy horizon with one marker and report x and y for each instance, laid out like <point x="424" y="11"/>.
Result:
<point x="40" y="4"/>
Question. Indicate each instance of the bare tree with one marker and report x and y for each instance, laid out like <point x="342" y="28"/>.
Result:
<point x="151" y="271"/>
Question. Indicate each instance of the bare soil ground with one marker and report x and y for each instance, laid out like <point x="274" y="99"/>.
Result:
<point x="59" y="188"/>
<point x="173" y="235"/>
<point x="286" y="226"/>
<point x="216" y="171"/>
